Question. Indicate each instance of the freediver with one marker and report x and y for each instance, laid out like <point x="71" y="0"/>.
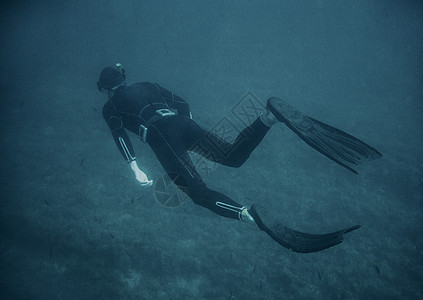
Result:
<point x="164" y="121"/>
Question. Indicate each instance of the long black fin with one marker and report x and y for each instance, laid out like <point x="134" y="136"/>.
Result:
<point x="339" y="146"/>
<point x="295" y="240"/>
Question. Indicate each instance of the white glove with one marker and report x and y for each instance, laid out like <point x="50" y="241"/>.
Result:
<point x="140" y="176"/>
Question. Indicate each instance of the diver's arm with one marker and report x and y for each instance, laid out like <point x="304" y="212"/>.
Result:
<point x="120" y="136"/>
<point x="124" y="143"/>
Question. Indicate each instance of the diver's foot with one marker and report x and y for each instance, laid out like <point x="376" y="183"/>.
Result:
<point x="246" y="217"/>
<point x="268" y="118"/>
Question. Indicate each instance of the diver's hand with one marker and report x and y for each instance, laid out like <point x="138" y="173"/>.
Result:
<point x="143" y="179"/>
<point x="140" y="176"/>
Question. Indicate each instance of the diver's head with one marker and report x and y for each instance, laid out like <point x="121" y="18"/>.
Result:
<point x="111" y="79"/>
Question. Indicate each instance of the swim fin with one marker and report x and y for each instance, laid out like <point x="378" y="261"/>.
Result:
<point x="335" y="144"/>
<point x="295" y="240"/>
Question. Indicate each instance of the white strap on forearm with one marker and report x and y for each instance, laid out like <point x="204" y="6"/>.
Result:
<point x="128" y="155"/>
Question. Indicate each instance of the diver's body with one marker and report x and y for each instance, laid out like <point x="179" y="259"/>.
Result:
<point x="171" y="137"/>
<point x="163" y="120"/>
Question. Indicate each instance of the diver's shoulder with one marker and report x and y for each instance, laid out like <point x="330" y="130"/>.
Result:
<point x="141" y="88"/>
<point x="145" y="85"/>
<point x="108" y="109"/>
<point x="108" y="104"/>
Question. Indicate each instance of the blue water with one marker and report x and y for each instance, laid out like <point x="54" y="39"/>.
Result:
<point x="75" y="225"/>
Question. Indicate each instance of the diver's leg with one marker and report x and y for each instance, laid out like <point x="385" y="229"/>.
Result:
<point x="219" y="203"/>
<point x="174" y="158"/>
<point x="216" y="149"/>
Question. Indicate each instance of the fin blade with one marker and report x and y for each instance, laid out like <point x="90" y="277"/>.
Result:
<point x="339" y="146"/>
<point x="295" y="240"/>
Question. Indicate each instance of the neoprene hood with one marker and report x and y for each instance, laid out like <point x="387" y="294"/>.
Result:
<point x="110" y="79"/>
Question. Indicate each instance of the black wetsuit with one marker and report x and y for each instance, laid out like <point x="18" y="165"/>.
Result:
<point x="171" y="138"/>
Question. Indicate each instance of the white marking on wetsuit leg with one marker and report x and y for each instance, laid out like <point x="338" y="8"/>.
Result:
<point x="231" y="208"/>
